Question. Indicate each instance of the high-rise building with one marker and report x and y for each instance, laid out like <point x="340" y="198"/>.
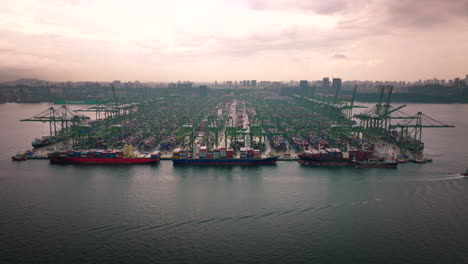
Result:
<point x="336" y="84"/>
<point x="303" y="84"/>
<point x="253" y="83"/>
<point x="326" y="83"/>
<point x="203" y="91"/>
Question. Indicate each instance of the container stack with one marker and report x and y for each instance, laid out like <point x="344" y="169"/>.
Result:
<point x="222" y="152"/>
<point x="176" y="153"/>
<point x="203" y="152"/>
<point x="257" y="153"/>
<point x="230" y="153"/>
<point x="243" y="153"/>
<point x="250" y="153"/>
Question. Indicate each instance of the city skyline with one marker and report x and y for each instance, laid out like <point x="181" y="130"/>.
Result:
<point x="101" y="40"/>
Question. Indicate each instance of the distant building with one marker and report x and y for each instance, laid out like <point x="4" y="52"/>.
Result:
<point x="336" y="84"/>
<point x="253" y="83"/>
<point x="117" y="84"/>
<point x="326" y="84"/>
<point x="303" y="84"/>
<point x="184" y="85"/>
<point x="203" y="91"/>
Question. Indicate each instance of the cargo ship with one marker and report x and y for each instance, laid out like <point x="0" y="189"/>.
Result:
<point x="103" y="157"/>
<point x="335" y="157"/>
<point x="375" y="163"/>
<point x="329" y="157"/>
<point x="222" y="156"/>
<point x="40" y="142"/>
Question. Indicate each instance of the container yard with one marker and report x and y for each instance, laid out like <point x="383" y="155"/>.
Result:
<point x="242" y="128"/>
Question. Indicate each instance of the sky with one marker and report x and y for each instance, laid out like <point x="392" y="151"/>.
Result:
<point x="208" y="40"/>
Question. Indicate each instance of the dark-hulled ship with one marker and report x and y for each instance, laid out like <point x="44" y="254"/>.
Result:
<point x="332" y="157"/>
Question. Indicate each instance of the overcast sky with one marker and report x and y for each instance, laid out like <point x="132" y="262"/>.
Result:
<point x="207" y="40"/>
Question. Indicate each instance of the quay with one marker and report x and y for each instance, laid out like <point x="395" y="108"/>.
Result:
<point x="239" y="124"/>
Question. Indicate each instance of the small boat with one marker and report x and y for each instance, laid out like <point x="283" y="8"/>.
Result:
<point x="419" y="160"/>
<point x="19" y="157"/>
<point x="402" y="158"/>
<point x="465" y="173"/>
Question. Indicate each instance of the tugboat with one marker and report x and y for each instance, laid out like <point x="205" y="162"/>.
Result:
<point x="465" y="173"/>
<point x="402" y="158"/>
<point x="19" y="157"/>
<point x="420" y="160"/>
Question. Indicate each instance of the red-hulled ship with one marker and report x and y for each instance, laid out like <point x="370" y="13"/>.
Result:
<point x="102" y="157"/>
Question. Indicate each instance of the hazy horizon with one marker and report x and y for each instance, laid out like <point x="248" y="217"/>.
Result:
<point x="207" y="40"/>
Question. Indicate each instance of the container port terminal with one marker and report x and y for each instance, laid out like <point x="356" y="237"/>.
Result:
<point x="307" y="126"/>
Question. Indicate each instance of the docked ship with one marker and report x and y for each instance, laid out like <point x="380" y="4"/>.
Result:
<point x="375" y="163"/>
<point x="402" y="158"/>
<point x="125" y="156"/>
<point x="221" y="156"/>
<point x="40" y="142"/>
<point x="328" y="157"/>
<point x="335" y="157"/>
<point x="19" y="157"/>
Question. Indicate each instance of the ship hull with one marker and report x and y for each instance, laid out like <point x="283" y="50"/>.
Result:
<point x="70" y="160"/>
<point x="376" y="165"/>
<point x="324" y="162"/>
<point x="19" y="158"/>
<point x="225" y="161"/>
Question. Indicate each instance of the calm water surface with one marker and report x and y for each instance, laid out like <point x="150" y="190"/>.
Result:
<point x="274" y="214"/>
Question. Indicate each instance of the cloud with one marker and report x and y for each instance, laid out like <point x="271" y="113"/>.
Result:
<point x="422" y="13"/>
<point x="74" y="2"/>
<point x="316" y="6"/>
<point x="339" y="57"/>
<point x="277" y="38"/>
<point x="8" y="74"/>
<point x="286" y="39"/>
